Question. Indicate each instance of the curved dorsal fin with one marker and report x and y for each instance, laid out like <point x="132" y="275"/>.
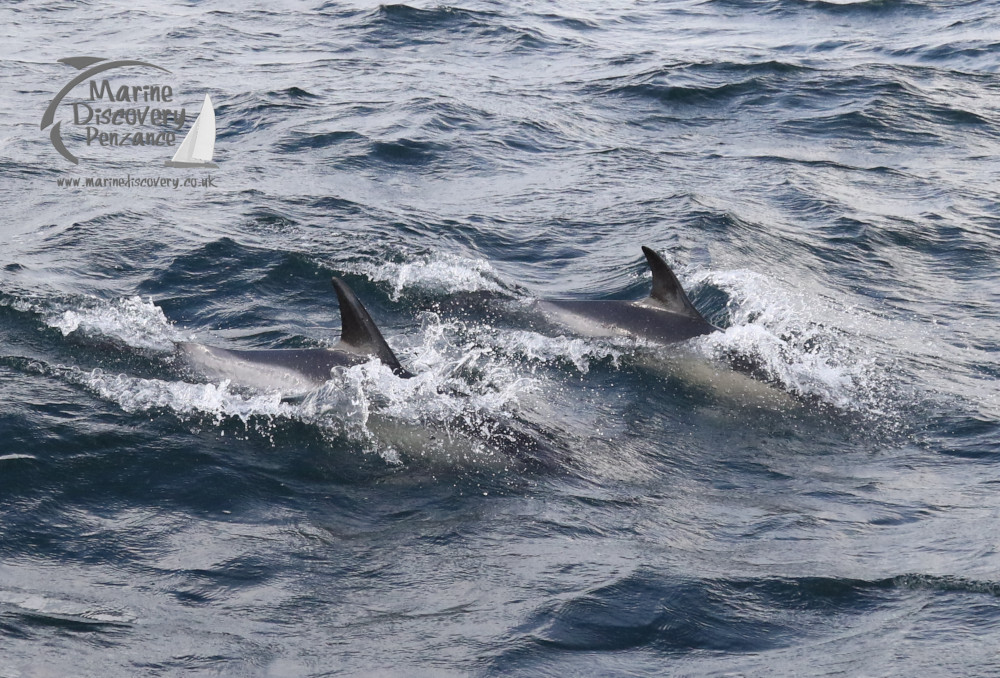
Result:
<point x="667" y="290"/>
<point x="358" y="330"/>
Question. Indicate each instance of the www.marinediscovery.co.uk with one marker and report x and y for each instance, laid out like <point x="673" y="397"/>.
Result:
<point x="129" y="181"/>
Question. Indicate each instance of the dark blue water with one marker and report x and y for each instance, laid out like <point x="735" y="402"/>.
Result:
<point x="822" y="175"/>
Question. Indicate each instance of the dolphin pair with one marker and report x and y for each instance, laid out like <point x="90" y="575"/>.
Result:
<point x="665" y="317"/>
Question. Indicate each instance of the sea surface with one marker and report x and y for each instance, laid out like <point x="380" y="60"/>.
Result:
<point x="823" y="176"/>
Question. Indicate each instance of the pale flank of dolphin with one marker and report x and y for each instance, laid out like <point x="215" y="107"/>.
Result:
<point x="296" y="371"/>
<point x="722" y="381"/>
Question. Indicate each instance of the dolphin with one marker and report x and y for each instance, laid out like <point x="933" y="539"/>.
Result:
<point x="298" y="369"/>
<point x="299" y="373"/>
<point x="665" y="317"/>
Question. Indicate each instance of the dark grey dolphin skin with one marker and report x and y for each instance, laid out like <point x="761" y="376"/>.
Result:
<point x="299" y="368"/>
<point x="665" y="317"/>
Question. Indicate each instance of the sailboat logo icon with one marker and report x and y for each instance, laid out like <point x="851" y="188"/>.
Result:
<point x="198" y="146"/>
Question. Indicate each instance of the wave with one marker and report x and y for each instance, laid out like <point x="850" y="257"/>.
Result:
<point x="438" y="273"/>
<point x="405" y="152"/>
<point x="798" y="342"/>
<point x="576" y="351"/>
<point x="401" y="25"/>
<point x="303" y="141"/>
<point x="441" y="415"/>
<point x="687" y="95"/>
<point x="845" y="8"/>
<point x="242" y="114"/>
<point x="866" y="7"/>
<point x="646" y="609"/>
<point x="442" y="16"/>
<point x="33" y="611"/>
<point x="130" y="321"/>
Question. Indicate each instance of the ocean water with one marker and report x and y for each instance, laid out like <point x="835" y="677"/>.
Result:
<point x="823" y="176"/>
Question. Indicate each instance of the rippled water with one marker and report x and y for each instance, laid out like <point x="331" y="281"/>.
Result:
<point x="823" y="177"/>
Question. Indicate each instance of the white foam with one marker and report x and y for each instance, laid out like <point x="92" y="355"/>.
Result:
<point x="22" y="305"/>
<point x="66" y="609"/>
<point x="437" y="409"/>
<point x="580" y="352"/>
<point x="439" y="392"/>
<point x="806" y="343"/>
<point x="134" y="394"/>
<point x="439" y="272"/>
<point x="130" y="320"/>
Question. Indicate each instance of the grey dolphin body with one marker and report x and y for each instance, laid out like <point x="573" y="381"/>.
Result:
<point x="298" y="369"/>
<point x="665" y="317"/>
<point x="295" y="372"/>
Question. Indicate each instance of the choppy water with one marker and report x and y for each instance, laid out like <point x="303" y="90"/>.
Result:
<point x="822" y="175"/>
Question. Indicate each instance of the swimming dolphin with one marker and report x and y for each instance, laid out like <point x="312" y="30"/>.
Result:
<point x="665" y="317"/>
<point x="298" y="369"/>
<point x="298" y="374"/>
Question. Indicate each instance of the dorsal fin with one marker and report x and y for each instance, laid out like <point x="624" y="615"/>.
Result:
<point x="667" y="289"/>
<point x="358" y="330"/>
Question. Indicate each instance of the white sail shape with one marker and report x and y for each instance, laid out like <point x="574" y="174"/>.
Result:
<point x="198" y="146"/>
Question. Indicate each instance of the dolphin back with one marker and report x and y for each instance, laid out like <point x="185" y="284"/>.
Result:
<point x="358" y="330"/>
<point x="667" y="290"/>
